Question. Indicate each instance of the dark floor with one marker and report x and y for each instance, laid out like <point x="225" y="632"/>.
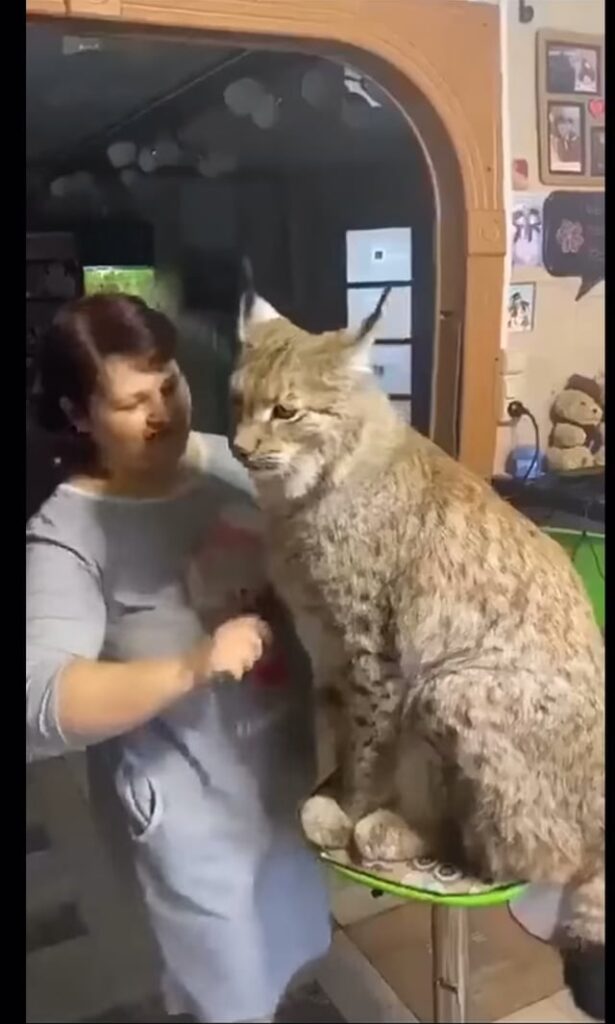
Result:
<point x="308" y="1005"/>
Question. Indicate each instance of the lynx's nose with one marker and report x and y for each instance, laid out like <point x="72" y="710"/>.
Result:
<point x="239" y="451"/>
<point x="244" y="443"/>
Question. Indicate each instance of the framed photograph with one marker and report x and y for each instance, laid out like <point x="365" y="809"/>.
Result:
<point x="566" y="138"/>
<point x="521" y="305"/>
<point x="392" y="366"/>
<point x="573" y="69"/>
<point x="570" y="95"/>
<point x="596" y="151"/>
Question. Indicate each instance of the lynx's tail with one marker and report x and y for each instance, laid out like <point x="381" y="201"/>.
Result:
<point x="584" y="959"/>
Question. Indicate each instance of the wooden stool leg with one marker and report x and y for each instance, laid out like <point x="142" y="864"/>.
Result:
<point x="450" y="963"/>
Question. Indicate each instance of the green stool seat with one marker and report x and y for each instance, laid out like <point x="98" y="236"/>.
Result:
<point x="450" y="895"/>
<point x="587" y="553"/>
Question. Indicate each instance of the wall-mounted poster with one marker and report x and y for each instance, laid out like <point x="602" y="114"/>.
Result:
<point x="521" y="303"/>
<point x="527" y="230"/>
<point x="570" y="90"/>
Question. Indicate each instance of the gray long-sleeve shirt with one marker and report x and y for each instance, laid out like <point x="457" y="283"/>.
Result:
<point x="235" y="900"/>
<point x="105" y="578"/>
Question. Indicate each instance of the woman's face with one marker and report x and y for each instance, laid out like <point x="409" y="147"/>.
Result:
<point x="139" y="416"/>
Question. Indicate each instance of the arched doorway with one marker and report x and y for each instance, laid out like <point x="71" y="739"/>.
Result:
<point x="451" y="95"/>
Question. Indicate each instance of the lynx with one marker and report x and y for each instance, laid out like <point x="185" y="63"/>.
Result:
<point x="451" y="638"/>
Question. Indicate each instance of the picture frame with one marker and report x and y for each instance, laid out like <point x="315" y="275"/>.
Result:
<point x="570" y="75"/>
<point x="521" y="307"/>
<point x="573" y="68"/>
<point x="566" y="138"/>
<point x="597" y="151"/>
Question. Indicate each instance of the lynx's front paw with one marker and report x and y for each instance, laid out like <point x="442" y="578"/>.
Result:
<point x="325" y="824"/>
<point x="384" y="836"/>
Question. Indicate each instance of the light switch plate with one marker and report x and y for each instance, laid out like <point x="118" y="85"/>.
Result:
<point x="513" y="362"/>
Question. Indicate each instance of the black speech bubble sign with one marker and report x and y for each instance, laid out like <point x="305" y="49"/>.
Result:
<point x="573" y="237"/>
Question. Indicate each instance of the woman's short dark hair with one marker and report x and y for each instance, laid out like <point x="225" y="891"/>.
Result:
<point x="82" y="335"/>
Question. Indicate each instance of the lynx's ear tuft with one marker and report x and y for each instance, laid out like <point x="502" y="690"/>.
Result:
<point x="253" y="309"/>
<point x="363" y="340"/>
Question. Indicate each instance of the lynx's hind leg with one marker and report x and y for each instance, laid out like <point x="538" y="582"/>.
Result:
<point x="384" y="836"/>
<point x="584" y="914"/>
<point x="527" y="799"/>
<point x="421" y="798"/>
<point x="584" y="926"/>
<point x="408" y="830"/>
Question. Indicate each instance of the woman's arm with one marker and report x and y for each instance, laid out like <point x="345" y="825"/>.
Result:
<point x="72" y="699"/>
<point x="96" y="699"/>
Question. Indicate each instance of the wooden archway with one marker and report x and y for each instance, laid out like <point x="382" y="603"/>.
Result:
<point x="440" y="60"/>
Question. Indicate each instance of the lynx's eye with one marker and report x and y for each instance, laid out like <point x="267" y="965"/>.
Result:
<point x="281" y="412"/>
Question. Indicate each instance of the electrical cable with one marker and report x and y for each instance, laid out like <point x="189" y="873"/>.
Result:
<point x="516" y="411"/>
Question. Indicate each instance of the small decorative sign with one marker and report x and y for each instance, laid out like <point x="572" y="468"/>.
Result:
<point x="521" y="303"/>
<point x="596" y="108"/>
<point x="574" y="237"/>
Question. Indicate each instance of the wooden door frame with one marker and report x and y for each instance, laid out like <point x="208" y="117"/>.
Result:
<point x="413" y="49"/>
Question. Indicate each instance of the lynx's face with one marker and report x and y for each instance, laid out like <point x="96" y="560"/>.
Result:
<point x="294" y="398"/>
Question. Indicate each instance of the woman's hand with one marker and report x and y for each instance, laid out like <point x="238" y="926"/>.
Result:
<point x="97" y="700"/>
<point x="233" y="649"/>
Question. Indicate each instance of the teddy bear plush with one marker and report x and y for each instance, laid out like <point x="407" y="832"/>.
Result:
<point x="577" y="437"/>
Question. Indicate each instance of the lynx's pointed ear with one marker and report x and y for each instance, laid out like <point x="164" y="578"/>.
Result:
<point x="252" y="309"/>
<point x="364" y="337"/>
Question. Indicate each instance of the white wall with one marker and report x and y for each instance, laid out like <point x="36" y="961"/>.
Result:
<point x="568" y="336"/>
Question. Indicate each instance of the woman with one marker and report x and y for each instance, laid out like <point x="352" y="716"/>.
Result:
<point x="208" y="770"/>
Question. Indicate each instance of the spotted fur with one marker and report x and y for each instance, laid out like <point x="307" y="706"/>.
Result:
<point x="457" y="639"/>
